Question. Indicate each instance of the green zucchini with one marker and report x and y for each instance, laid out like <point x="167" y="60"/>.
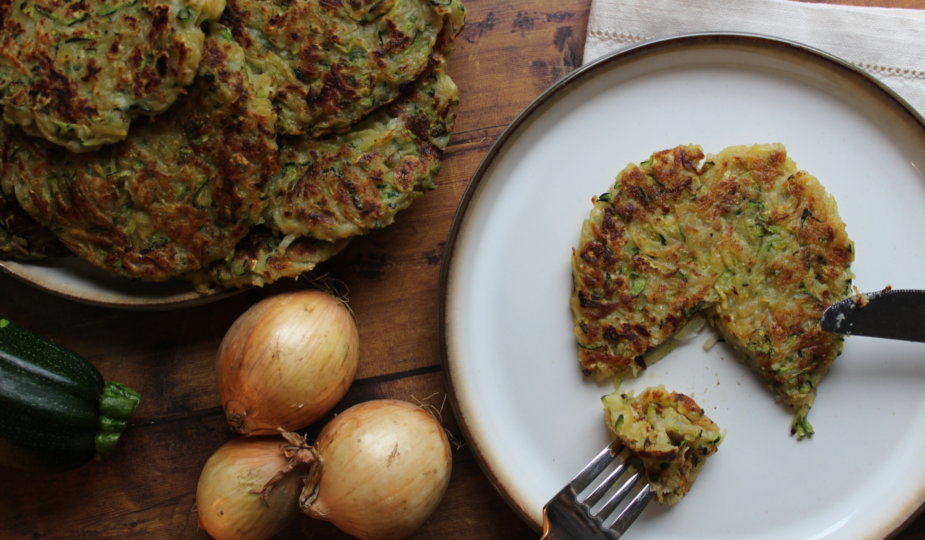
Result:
<point x="56" y="411"/>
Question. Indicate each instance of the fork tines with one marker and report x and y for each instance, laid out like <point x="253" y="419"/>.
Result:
<point x="612" y="490"/>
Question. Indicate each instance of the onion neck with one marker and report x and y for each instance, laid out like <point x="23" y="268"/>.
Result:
<point x="299" y="452"/>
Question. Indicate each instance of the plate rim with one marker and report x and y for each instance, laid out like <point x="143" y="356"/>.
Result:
<point x="178" y="300"/>
<point x="608" y="61"/>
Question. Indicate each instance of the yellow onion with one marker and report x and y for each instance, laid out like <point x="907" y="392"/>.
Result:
<point x="249" y="488"/>
<point x="386" y="466"/>
<point x="286" y="361"/>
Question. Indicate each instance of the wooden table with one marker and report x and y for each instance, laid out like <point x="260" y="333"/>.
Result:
<point x="508" y="53"/>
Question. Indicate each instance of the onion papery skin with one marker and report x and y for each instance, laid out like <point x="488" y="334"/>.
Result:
<point x="286" y="361"/>
<point x="228" y="495"/>
<point x="387" y="464"/>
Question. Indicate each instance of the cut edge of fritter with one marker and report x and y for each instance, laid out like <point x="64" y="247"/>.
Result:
<point x="784" y="343"/>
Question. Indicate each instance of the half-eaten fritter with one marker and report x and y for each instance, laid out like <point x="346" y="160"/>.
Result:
<point x="669" y="433"/>
<point x="742" y="238"/>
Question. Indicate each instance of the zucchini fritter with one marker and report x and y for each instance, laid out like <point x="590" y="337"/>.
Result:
<point x="743" y="238"/>
<point x="347" y="185"/>
<point x="309" y="122"/>
<point x="331" y="63"/>
<point x="264" y="256"/>
<point x="330" y="190"/>
<point x="176" y="195"/>
<point x="78" y="73"/>
<point x="669" y="433"/>
<point x="21" y="238"/>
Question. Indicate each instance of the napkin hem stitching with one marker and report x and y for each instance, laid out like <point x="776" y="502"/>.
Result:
<point x="619" y="37"/>
<point x="879" y="69"/>
<point x="892" y="71"/>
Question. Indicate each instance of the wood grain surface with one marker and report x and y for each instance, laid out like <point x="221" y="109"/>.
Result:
<point x="508" y="53"/>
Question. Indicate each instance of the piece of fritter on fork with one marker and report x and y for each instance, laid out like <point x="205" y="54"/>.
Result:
<point x="670" y="434"/>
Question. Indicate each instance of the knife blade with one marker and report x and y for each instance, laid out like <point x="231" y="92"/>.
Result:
<point x="890" y="313"/>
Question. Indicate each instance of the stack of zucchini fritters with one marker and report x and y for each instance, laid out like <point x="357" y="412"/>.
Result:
<point x="227" y="144"/>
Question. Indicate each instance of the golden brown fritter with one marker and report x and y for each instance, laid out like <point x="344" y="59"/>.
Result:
<point x="178" y="194"/>
<point x="346" y="185"/>
<point x="21" y="237"/>
<point x="330" y="190"/>
<point x="264" y="256"/>
<point x="331" y="63"/>
<point x="78" y="73"/>
<point x="199" y="192"/>
<point x="669" y="433"/>
<point x="742" y="237"/>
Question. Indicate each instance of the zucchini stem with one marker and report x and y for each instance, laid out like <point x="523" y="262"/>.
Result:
<point x="117" y="403"/>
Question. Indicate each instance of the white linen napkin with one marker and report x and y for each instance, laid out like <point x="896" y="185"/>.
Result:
<point x="888" y="43"/>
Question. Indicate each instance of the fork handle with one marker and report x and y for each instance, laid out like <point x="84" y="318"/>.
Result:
<point x="550" y="533"/>
<point x="564" y="521"/>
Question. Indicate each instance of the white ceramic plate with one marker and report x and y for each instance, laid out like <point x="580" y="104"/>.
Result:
<point x="78" y="280"/>
<point x="510" y="355"/>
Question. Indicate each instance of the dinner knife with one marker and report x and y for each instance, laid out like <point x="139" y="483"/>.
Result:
<point x="890" y="313"/>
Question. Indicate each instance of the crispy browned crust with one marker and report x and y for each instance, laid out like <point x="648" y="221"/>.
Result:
<point x="329" y="64"/>
<point x="606" y="261"/>
<point x="78" y="73"/>
<point x="175" y="196"/>
<point x="21" y="237"/>
<point x="265" y="256"/>
<point x="347" y="185"/>
<point x="744" y="239"/>
<point x="198" y="192"/>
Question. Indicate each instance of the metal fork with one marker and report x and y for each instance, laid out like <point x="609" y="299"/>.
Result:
<point x="602" y="501"/>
